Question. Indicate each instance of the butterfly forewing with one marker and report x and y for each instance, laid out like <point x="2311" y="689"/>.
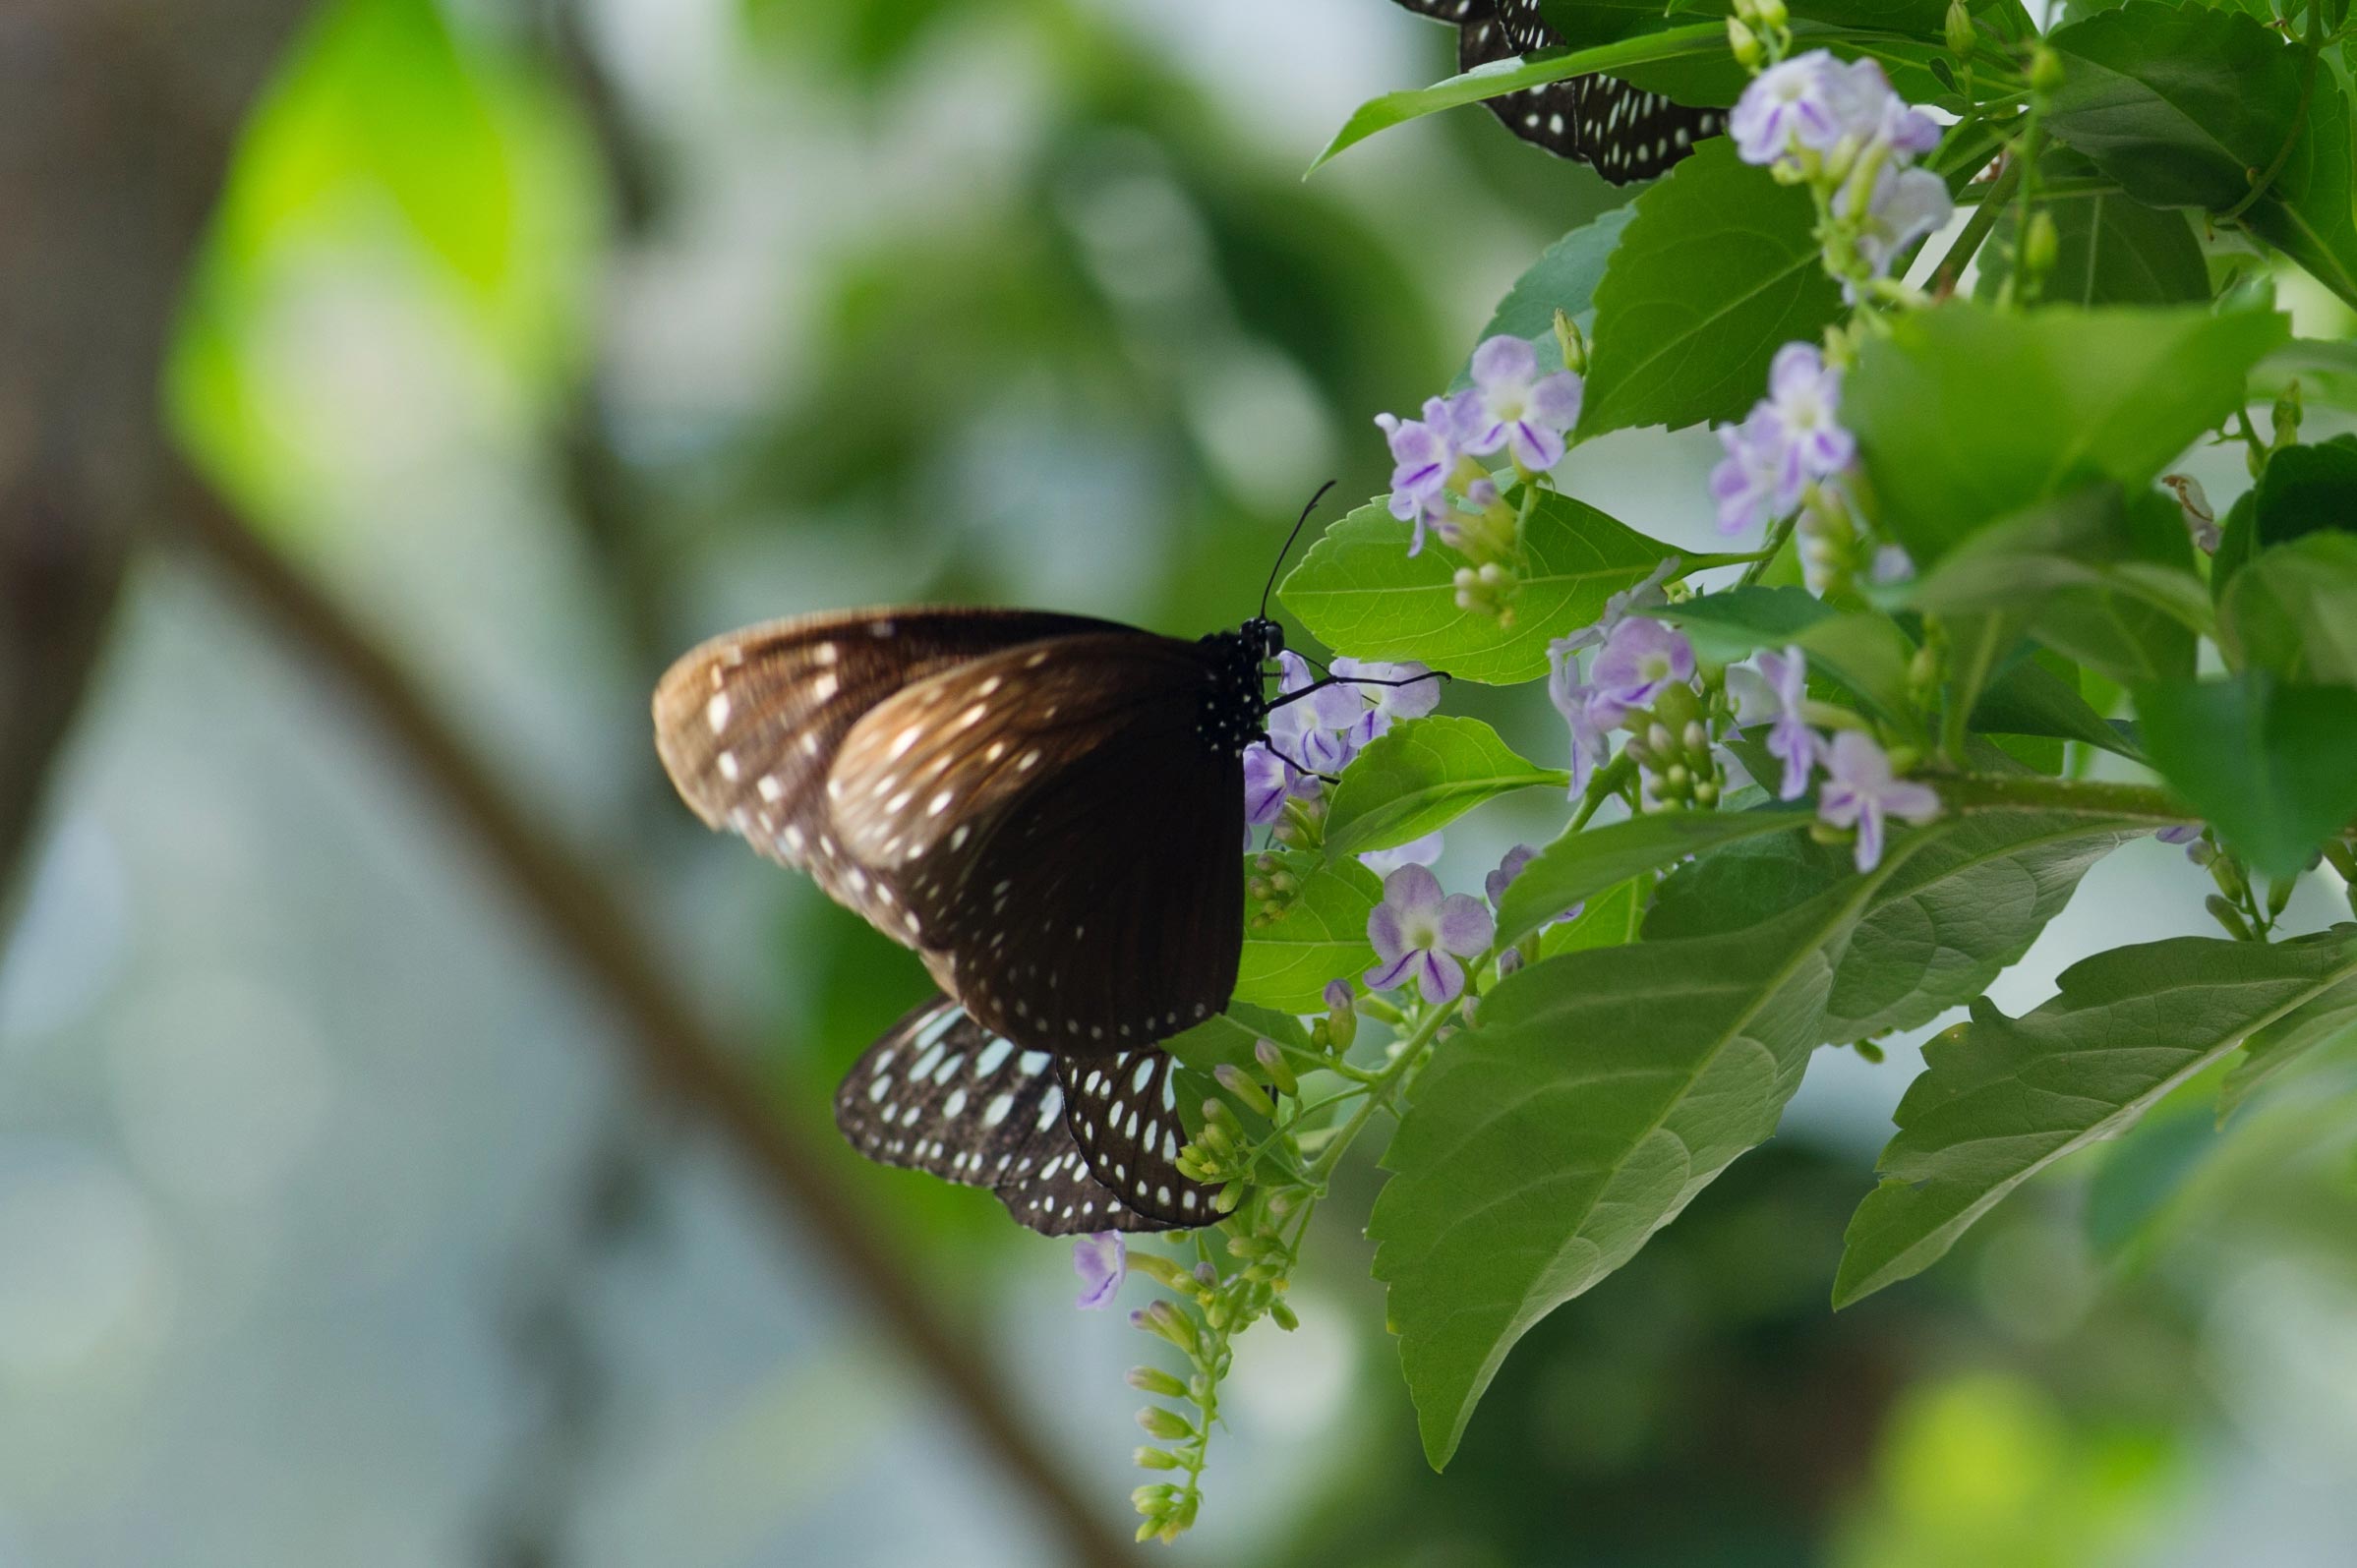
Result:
<point x="749" y="724"/>
<point x="939" y="1093"/>
<point x="1056" y="836"/>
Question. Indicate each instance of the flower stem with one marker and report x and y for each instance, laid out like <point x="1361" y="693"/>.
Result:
<point x="2136" y="804"/>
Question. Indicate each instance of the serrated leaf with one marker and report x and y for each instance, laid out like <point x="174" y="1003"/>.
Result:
<point x="1718" y="269"/>
<point x="1959" y="913"/>
<point x="2272" y="765"/>
<point x="1321" y="936"/>
<point x="1599" y="1093"/>
<point x="2001" y="1099"/>
<point x="1362" y="594"/>
<point x="1581" y="864"/>
<point x="2030" y="699"/>
<point x="1420" y="775"/>
<point x="2111" y="249"/>
<point x="2115" y="393"/>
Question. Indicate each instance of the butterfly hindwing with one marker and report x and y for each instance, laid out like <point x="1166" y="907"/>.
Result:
<point x="1050" y="830"/>
<point x="1123" y="1113"/>
<point x="749" y="724"/>
<point x="942" y="1094"/>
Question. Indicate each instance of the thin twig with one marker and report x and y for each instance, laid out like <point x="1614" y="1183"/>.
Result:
<point x="585" y="920"/>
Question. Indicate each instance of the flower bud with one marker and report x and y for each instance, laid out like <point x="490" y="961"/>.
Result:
<point x="1574" y="343"/>
<point x="1154" y="1380"/>
<point x="2041" y="244"/>
<point x="1225" y="1201"/>
<point x="2286" y="418"/>
<point x="2045" y="71"/>
<point x="1152" y="1498"/>
<point x="1696" y="738"/>
<point x="1232" y="1079"/>
<point x="1155" y="1459"/>
<point x="1272" y="1057"/>
<point x="2278" y="895"/>
<point x="1167" y="1424"/>
<point x="1743" y="45"/>
<point x="1675" y="779"/>
<point x="1771" y="14"/>
<point x="1165" y="1321"/>
<point x="1162" y="1269"/>
<point x="1961" y="38"/>
<point x="1284" y="1316"/>
<point x="2230" y="918"/>
<point x="1659" y="742"/>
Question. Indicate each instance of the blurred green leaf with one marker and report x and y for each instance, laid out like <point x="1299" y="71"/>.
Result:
<point x="2306" y="490"/>
<point x="1232" y="1037"/>
<point x="1609" y="919"/>
<point x="2182" y="104"/>
<point x="1718" y="270"/>
<point x="2030" y="699"/>
<point x="2000" y="1099"/>
<point x="2272" y="765"/>
<point x="2327" y="1020"/>
<point x="1600" y="1092"/>
<point x="1580" y="865"/>
<point x="2112" y="250"/>
<point x="1564" y="278"/>
<point x="2089" y="395"/>
<point x="1321" y="936"/>
<point x="1420" y="775"/>
<point x="1362" y="594"/>
<point x="2294" y="612"/>
<point x="1863" y="650"/>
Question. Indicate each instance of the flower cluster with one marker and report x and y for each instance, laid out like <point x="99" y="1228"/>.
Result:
<point x="1439" y="481"/>
<point x="1325" y="725"/>
<point x="1840" y="129"/>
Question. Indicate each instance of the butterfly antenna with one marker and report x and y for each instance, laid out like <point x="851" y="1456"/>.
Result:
<point x="1289" y="540"/>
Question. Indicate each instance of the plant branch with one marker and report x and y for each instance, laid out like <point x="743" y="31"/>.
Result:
<point x="584" y="920"/>
<point x="2139" y="805"/>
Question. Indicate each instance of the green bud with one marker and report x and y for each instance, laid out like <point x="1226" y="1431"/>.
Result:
<point x="1870" y="1050"/>
<point x="2230" y="878"/>
<point x="1825" y="833"/>
<point x="1154" y="1380"/>
<point x="1658" y="740"/>
<point x="1743" y="45"/>
<point x="2279" y="894"/>
<point x="2230" y="918"/>
<point x="1225" y="1201"/>
<point x="1272" y="1057"/>
<point x="1677" y="779"/>
<point x="1961" y="38"/>
<point x="1215" y="1315"/>
<point x="1771" y="14"/>
<point x="1152" y="1498"/>
<point x="1164" y="1271"/>
<point x="1904" y="758"/>
<point x="1219" y="1124"/>
<point x="2288" y="415"/>
<point x="1284" y="1316"/>
<point x="1232" y="1079"/>
<point x="1165" y="1321"/>
<point x="1284" y="882"/>
<point x="1706" y="793"/>
<point x="1155" y="1459"/>
<point x="1923" y="668"/>
<point x="1167" y="1424"/>
<point x="1696" y="738"/>
<point x="2041" y="244"/>
<point x="1574" y="343"/>
<point x="1259" y="886"/>
<point x="2045" y="71"/>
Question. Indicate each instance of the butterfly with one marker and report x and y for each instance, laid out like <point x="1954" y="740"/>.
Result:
<point x="1626" y="132"/>
<point x="1049" y="810"/>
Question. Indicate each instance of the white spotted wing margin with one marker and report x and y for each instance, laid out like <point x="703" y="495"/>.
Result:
<point x="940" y="1093"/>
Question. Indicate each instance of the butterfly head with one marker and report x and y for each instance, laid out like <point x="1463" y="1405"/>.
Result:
<point x="1263" y="639"/>
<point x="1234" y="709"/>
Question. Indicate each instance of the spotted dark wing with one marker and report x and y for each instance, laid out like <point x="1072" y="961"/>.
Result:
<point x="1626" y="133"/>
<point x="749" y="724"/>
<point x="1122" y="1114"/>
<point x="1058" y="839"/>
<point x="940" y="1093"/>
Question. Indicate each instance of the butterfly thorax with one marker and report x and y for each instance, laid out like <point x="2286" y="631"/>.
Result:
<point x="1233" y="712"/>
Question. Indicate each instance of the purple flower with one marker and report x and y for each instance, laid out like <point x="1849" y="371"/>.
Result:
<point x="1268" y="781"/>
<point x="1746" y="483"/>
<point x="1513" y="406"/>
<point x="1637" y="663"/>
<point x="1804" y="398"/>
<point x="2183" y="833"/>
<point x="1860" y="791"/>
<point x="1621" y="605"/>
<point x="1498" y="881"/>
<point x="1801" y="103"/>
<point x="1892" y="564"/>
<point x="1424" y="454"/>
<point x="1421" y="935"/>
<point x="1339" y="997"/>
<point x="1100" y="1260"/>
<point x="1420" y="694"/>
<point x="1415" y="852"/>
<point x="1788" y="735"/>
<point x="1907" y="204"/>
<point x="1878" y="112"/>
<point x="1577" y="704"/>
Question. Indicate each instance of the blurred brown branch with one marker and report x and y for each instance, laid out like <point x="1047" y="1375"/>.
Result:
<point x="116" y="118"/>
<point x="585" y="920"/>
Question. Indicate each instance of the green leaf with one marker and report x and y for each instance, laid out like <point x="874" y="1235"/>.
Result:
<point x="1700" y="40"/>
<point x="2029" y="699"/>
<point x="2273" y="766"/>
<point x="1564" y="278"/>
<point x="2307" y="490"/>
<point x="1612" y="918"/>
<point x="1420" y="776"/>
<point x="2292" y="612"/>
<point x="1600" y="1092"/>
<point x="1718" y="269"/>
<point x="1322" y="935"/>
<point x="2000" y="1099"/>
<point x="2326" y="1020"/>
<point x="1585" y="862"/>
<point x="1362" y="594"/>
<point x="2113" y="250"/>
<point x="1960" y="911"/>
<point x="2181" y="106"/>
<point x="2115" y="393"/>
